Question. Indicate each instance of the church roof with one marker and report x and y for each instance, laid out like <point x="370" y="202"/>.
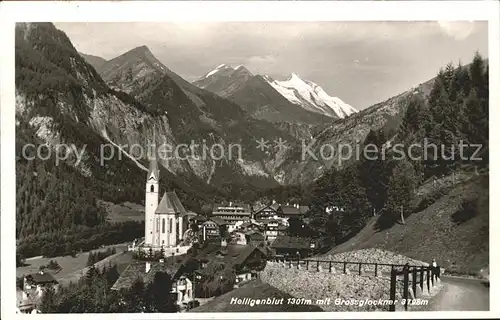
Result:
<point x="171" y="204"/>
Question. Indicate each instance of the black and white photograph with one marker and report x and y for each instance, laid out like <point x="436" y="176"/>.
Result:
<point x="241" y="166"/>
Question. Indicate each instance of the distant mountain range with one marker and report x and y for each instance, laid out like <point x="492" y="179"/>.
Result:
<point x="275" y="100"/>
<point x="300" y="115"/>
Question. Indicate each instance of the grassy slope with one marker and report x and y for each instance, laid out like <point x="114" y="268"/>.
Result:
<point x="126" y="211"/>
<point x="253" y="290"/>
<point x="69" y="265"/>
<point x="432" y="233"/>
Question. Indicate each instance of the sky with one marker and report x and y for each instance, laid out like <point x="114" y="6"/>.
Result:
<point x="362" y="62"/>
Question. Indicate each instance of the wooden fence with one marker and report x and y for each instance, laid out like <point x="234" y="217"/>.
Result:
<point x="423" y="279"/>
<point x="416" y="280"/>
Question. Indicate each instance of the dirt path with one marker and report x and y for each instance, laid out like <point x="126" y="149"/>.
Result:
<point x="461" y="294"/>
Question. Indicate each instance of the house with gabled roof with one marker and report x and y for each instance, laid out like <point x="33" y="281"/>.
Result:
<point x="246" y="260"/>
<point x="288" y="246"/>
<point x="211" y="227"/>
<point x="145" y="271"/>
<point x="266" y="212"/>
<point x="289" y="211"/>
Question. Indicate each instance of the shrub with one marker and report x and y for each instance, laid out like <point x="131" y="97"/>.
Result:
<point x="467" y="211"/>
<point x="53" y="265"/>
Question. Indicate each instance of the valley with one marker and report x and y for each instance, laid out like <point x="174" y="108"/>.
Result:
<point x="209" y="224"/>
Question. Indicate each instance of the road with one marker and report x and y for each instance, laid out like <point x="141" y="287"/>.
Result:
<point x="461" y="294"/>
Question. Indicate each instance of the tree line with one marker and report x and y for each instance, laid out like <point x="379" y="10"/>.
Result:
<point x="99" y="255"/>
<point x="455" y="110"/>
<point x="93" y="294"/>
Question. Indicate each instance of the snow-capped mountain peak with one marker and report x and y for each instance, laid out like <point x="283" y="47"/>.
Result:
<point x="311" y="96"/>
<point x="224" y="79"/>
<point x="219" y="68"/>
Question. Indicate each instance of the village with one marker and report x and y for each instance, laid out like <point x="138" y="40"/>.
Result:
<point x="185" y="245"/>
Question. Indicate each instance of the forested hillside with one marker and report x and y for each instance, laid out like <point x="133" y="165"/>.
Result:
<point x="57" y="97"/>
<point x="455" y="112"/>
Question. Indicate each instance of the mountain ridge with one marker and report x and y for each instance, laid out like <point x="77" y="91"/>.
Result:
<point x="221" y="81"/>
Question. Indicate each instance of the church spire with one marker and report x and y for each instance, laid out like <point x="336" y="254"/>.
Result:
<point x="153" y="160"/>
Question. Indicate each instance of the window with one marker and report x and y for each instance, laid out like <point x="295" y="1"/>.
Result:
<point x="158" y="224"/>
<point x="170" y="225"/>
<point x="152" y="188"/>
<point x="163" y="225"/>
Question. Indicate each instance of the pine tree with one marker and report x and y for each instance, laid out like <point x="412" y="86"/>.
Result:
<point x="449" y="75"/>
<point x="413" y="118"/>
<point x="399" y="193"/>
<point x="48" y="303"/>
<point x="156" y="299"/>
<point x="134" y="297"/>
<point x="372" y="169"/>
<point x="477" y="71"/>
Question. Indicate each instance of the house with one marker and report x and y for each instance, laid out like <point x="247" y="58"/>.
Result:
<point x="232" y="212"/>
<point x="255" y="238"/>
<point x="271" y="231"/>
<point x="293" y="247"/>
<point x="36" y="283"/>
<point x="246" y="260"/>
<point x="250" y="226"/>
<point x="25" y="302"/>
<point x="182" y="286"/>
<point x="211" y="228"/>
<point x="238" y="237"/>
<point x="289" y="211"/>
<point x="266" y="212"/>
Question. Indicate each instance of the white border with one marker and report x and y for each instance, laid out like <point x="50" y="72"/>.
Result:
<point x="11" y="12"/>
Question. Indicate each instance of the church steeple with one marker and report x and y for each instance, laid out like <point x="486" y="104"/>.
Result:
<point x="153" y="168"/>
<point x="152" y="189"/>
<point x="153" y="161"/>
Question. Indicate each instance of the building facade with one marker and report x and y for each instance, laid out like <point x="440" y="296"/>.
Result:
<point x="164" y="221"/>
<point x="232" y="213"/>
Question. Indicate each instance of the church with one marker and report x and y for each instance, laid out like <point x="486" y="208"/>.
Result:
<point x="166" y="220"/>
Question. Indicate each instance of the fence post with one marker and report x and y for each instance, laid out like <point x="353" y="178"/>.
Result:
<point x="433" y="274"/>
<point x="422" y="278"/>
<point x="414" y="282"/>
<point x="429" y="280"/>
<point x="360" y="268"/>
<point x="307" y="264"/>
<point x="344" y="266"/>
<point x="376" y="269"/>
<point x="330" y="267"/>
<point x="317" y="266"/>
<point x="405" y="284"/>
<point x="392" y="296"/>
